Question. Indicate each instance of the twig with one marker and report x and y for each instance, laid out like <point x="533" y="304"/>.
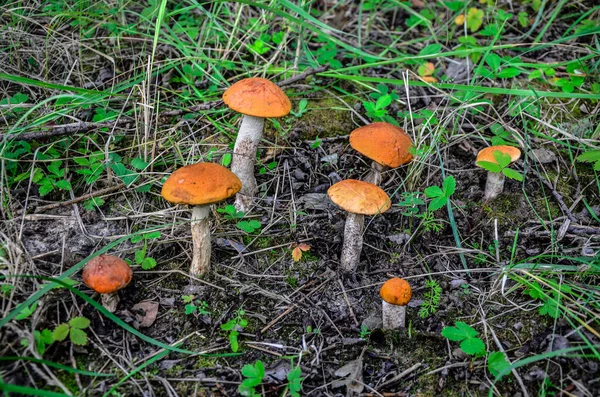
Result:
<point x="558" y="197"/>
<point x="513" y="370"/>
<point x="399" y="376"/>
<point x="74" y="128"/>
<point x="75" y="200"/>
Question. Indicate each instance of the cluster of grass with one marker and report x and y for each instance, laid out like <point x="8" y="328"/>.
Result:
<point x="100" y="101"/>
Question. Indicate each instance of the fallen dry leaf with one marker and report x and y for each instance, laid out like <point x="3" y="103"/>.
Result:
<point x="149" y="310"/>
<point x="297" y="252"/>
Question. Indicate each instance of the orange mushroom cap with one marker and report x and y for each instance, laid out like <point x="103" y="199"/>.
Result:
<point x="359" y="197"/>
<point x="257" y="97"/>
<point x="200" y="184"/>
<point x="107" y="274"/>
<point x="487" y="154"/>
<point x="383" y="143"/>
<point x="396" y="291"/>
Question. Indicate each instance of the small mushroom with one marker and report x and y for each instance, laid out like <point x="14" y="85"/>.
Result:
<point x="359" y="199"/>
<point x="256" y="98"/>
<point x="200" y="185"/>
<point x="107" y="274"/>
<point x="495" y="180"/>
<point x="387" y="145"/>
<point x="395" y="294"/>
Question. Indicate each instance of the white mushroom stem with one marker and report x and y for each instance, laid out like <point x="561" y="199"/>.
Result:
<point x="374" y="176"/>
<point x="494" y="185"/>
<point x="394" y="316"/>
<point x="244" y="157"/>
<point x="201" y="240"/>
<point x="110" y="301"/>
<point x="353" y="239"/>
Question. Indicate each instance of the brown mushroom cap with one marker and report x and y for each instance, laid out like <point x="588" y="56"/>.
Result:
<point x="257" y="97"/>
<point x="383" y="143"/>
<point x="359" y="197"/>
<point x="107" y="274"/>
<point x="200" y="184"/>
<point x="396" y="291"/>
<point x="487" y="154"/>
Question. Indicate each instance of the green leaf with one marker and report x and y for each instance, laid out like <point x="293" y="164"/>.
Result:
<point x="140" y="255"/>
<point x="431" y="49"/>
<point x="497" y="363"/>
<point x="79" y="322"/>
<point x="502" y="159"/>
<point x="226" y="160"/>
<point x="589" y="157"/>
<point x="229" y="325"/>
<point x="493" y="61"/>
<point x="449" y="186"/>
<point x="251" y="371"/>
<point x="54" y="168"/>
<point x="489" y="166"/>
<point x="437" y="203"/>
<point x="138" y="163"/>
<point x="233" y="341"/>
<point x="46" y="186"/>
<point x="255" y="224"/>
<point x="63" y="184"/>
<point x="190" y="308"/>
<point x="512" y="174"/>
<point x="46" y="336"/>
<point x="26" y="312"/>
<point x="61" y="332"/>
<point x="472" y="346"/>
<point x="508" y="73"/>
<point x="78" y="336"/>
<point x="434" y="191"/>
<point x="383" y="101"/>
<point x="148" y="263"/>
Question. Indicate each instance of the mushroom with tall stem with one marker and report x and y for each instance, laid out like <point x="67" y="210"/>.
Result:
<point x="200" y="185"/>
<point x="387" y="145"/>
<point x="358" y="198"/>
<point x="256" y="98"/>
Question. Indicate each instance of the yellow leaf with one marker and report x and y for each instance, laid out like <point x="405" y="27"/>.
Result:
<point x="304" y="247"/>
<point x="296" y="254"/>
<point x="426" y="69"/>
<point x="460" y="20"/>
<point x="429" y="79"/>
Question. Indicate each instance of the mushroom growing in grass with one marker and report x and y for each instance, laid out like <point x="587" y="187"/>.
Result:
<point x="107" y="274"/>
<point x="395" y="294"/>
<point x="387" y="145"/>
<point x="256" y="98"/>
<point x="496" y="159"/>
<point x="359" y="199"/>
<point x="200" y="185"/>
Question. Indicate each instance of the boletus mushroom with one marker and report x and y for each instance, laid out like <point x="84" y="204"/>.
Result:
<point x="395" y="294"/>
<point x="358" y="198"/>
<point x="494" y="184"/>
<point x="387" y="145"/>
<point x="107" y="274"/>
<point x="200" y="185"/>
<point x="256" y="98"/>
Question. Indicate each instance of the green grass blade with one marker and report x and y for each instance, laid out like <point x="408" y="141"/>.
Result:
<point x="56" y="365"/>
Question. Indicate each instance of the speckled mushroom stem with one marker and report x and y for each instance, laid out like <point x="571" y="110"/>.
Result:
<point x="374" y="176"/>
<point x="494" y="185"/>
<point x="353" y="240"/>
<point x="394" y="316"/>
<point x="201" y="240"/>
<point x="110" y="301"/>
<point x="244" y="157"/>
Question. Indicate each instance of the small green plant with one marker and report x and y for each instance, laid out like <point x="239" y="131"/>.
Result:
<point x="441" y="195"/>
<point x="232" y="214"/>
<point x="253" y="375"/>
<point x="42" y="340"/>
<point x="364" y="331"/>
<point x="503" y="161"/>
<point x="74" y="329"/>
<point x="294" y="378"/>
<point x="550" y="299"/>
<point x="27" y="311"/>
<point x="301" y="108"/>
<point x="383" y="98"/>
<point x="411" y="202"/>
<point x="267" y="167"/>
<point x="432" y="298"/>
<point x="234" y="326"/>
<point x="467" y="336"/>
<point x="195" y="306"/>
<point x="141" y="259"/>
<point x="591" y="156"/>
